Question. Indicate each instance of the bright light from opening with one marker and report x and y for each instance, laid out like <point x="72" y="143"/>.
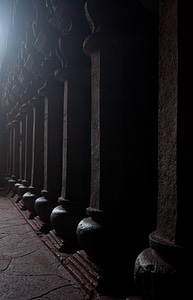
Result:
<point x="7" y="12"/>
<point x="3" y="31"/>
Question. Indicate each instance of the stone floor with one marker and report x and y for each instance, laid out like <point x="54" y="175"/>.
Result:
<point x="28" y="269"/>
<point x="32" y="267"/>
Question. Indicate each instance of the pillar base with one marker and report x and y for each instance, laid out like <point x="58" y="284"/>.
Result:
<point x="91" y="234"/>
<point x="29" y="200"/>
<point x="160" y="270"/>
<point x="106" y="244"/>
<point x="45" y="204"/>
<point x="16" y="186"/>
<point x="64" y="219"/>
<point x="22" y="189"/>
<point x="11" y="183"/>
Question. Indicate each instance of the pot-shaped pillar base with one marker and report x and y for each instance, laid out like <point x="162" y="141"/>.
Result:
<point x="159" y="270"/>
<point x="11" y="183"/>
<point x="29" y="200"/>
<point x="106" y="243"/>
<point x="43" y="207"/>
<point x="16" y="186"/>
<point x="91" y="235"/>
<point x="64" y="219"/>
<point x="22" y="189"/>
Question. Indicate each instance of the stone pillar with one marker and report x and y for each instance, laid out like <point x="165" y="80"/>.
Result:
<point x="123" y="135"/>
<point x="15" y="155"/>
<point x="3" y="149"/>
<point x="11" y="160"/>
<point x="161" y="268"/>
<point x="53" y="114"/>
<point x="12" y="179"/>
<point x="37" y="170"/>
<point x="9" y="143"/>
<point x="75" y="74"/>
<point x="52" y="92"/>
<point x="8" y="147"/>
<point x="23" y="188"/>
<point x="32" y="73"/>
<point x="21" y="118"/>
<point x="16" y="140"/>
<point x="38" y="145"/>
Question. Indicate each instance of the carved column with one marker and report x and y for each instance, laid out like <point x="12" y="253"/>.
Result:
<point x="37" y="171"/>
<point x="12" y="153"/>
<point x="161" y="268"/>
<point x="12" y="180"/>
<point x="53" y="113"/>
<point x="16" y="140"/>
<point x="75" y="74"/>
<point x="52" y="92"/>
<point x="8" y="147"/>
<point x="23" y="89"/>
<point x="33" y="71"/>
<point x="3" y="149"/>
<point x="123" y="135"/>
<point x="21" y="118"/>
<point x="23" y="188"/>
<point x="38" y="145"/>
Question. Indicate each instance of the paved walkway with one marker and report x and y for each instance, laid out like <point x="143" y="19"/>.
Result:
<point x="28" y="269"/>
<point x="31" y="267"/>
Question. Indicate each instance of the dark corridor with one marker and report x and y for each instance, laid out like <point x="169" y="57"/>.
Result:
<point x="95" y="152"/>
